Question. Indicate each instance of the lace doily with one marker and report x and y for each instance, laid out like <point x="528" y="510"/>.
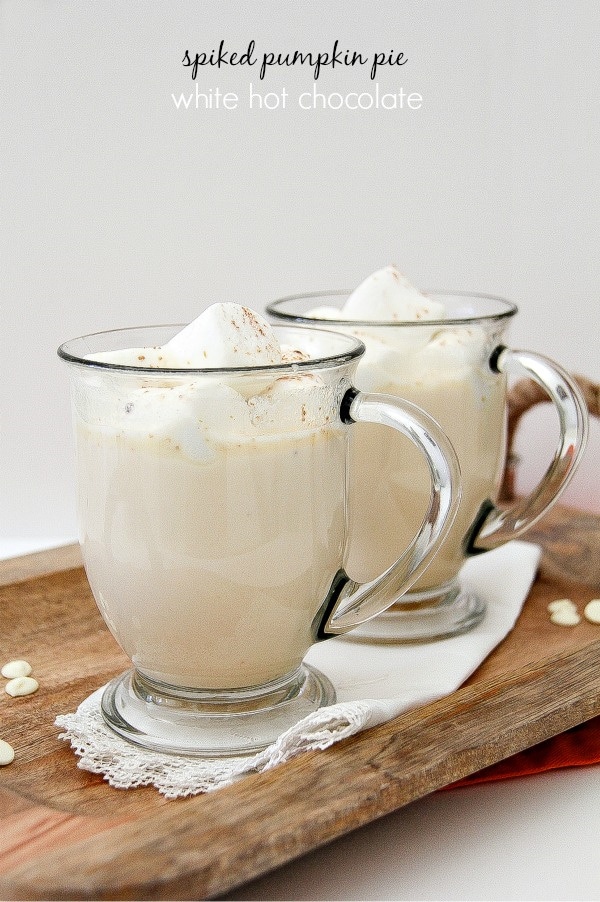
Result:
<point x="126" y="766"/>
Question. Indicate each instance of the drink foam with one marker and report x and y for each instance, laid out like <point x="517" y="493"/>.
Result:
<point x="193" y="413"/>
<point x="437" y="352"/>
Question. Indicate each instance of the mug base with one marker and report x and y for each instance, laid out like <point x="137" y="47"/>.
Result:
<point x="423" y="617"/>
<point x="211" y="723"/>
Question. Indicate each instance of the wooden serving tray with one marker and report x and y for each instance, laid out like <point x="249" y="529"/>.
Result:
<point x="66" y="834"/>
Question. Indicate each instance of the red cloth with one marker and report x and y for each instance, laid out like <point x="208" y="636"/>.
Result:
<point x="576" y="747"/>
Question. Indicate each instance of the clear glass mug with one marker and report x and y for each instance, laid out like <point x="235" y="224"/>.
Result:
<point x="456" y="369"/>
<point x="213" y="525"/>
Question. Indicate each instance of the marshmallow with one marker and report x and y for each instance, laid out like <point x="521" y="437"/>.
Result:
<point x="225" y="335"/>
<point x="463" y="346"/>
<point x="186" y="418"/>
<point x="294" y="402"/>
<point x="188" y="415"/>
<point x="382" y="363"/>
<point x="387" y="295"/>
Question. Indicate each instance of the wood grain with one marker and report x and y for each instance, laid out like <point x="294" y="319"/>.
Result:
<point x="27" y="566"/>
<point x="67" y="835"/>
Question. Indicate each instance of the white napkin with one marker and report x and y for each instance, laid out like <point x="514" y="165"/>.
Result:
<point x="373" y="684"/>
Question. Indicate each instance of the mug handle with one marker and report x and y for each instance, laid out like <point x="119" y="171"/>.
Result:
<point x="349" y="603"/>
<point x="495" y="526"/>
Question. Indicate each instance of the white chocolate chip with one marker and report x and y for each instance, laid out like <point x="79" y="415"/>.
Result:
<point x="16" y="669"/>
<point x="7" y="753"/>
<point x="562" y="604"/>
<point x="565" y="616"/>
<point x="22" y="686"/>
<point x="592" y="610"/>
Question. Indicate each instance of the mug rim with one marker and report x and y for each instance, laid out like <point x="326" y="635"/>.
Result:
<point x="355" y="350"/>
<point x="506" y="310"/>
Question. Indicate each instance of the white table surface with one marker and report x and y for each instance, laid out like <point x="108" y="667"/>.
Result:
<point x="531" y="838"/>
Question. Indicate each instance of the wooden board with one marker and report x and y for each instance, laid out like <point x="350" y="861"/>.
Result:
<point x="65" y="834"/>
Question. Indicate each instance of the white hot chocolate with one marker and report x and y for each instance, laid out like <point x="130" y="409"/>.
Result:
<point x="212" y="508"/>
<point x="442" y="368"/>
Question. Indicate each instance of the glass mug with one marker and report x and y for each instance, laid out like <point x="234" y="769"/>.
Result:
<point x="213" y="525"/>
<point x="456" y="369"/>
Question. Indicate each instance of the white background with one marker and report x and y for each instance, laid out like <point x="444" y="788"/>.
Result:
<point x="118" y="209"/>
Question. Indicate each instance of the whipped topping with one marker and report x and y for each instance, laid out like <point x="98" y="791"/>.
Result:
<point x="423" y="353"/>
<point x="290" y="403"/>
<point x="388" y="296"/>
<point x="224" y="335"/>
<point x="192" y="415"/>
